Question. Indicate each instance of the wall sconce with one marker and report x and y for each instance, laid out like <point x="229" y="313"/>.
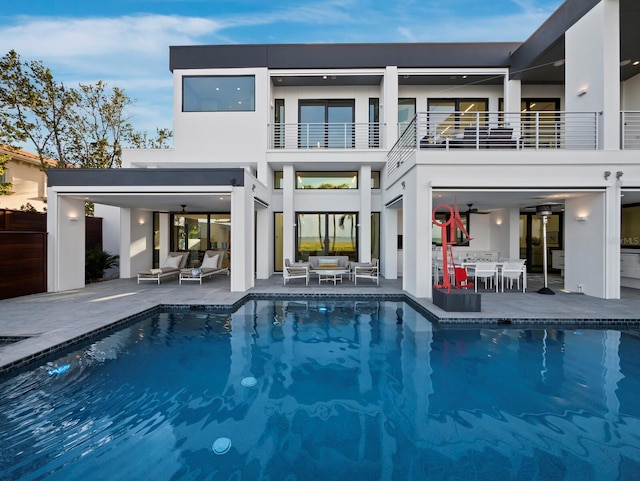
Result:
<point x="73" y="218"/>
<point x="581" y="218"/>
<point x="499" y="222"/>
<point x="619" y="174"/>
<point x="140" y="221"/>
<point x="582" y="92"/>
<point x="607" y="174"/>
<point x="403" y="184"/>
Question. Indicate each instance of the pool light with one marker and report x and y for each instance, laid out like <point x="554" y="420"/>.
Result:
<point x="221" y="445"/>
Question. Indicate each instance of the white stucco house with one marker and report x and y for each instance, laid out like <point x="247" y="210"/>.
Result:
<point x="282" y="151"/>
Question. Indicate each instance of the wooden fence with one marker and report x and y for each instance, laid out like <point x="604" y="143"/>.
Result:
<point x="23" y="251"/>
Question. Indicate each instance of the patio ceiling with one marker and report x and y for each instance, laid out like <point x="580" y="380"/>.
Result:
<point x="487" y="200"/>
<point x="161" y="202"/>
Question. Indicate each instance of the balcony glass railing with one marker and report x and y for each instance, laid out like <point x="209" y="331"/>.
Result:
<point x="326" y="136"/>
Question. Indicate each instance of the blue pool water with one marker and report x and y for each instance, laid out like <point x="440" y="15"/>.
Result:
<point x="343" y="390"/>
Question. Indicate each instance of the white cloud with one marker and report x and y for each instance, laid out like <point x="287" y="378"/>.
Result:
<point x="132" y="52"/>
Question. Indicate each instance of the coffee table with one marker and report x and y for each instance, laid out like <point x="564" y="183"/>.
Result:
<point x="334" y="275"/>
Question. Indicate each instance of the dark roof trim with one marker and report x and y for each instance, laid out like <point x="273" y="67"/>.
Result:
<point x="144" y="177"/>
<point x="548" y="34"/>
<point x="331" y="56"/>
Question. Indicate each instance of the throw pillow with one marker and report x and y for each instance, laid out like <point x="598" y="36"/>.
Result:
<point x="172" y="262"/>
<point x="328" y="261"/>
<point x="210" y="262"/>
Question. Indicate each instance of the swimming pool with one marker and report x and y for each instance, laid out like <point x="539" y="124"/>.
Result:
<point x="343" y="390"/>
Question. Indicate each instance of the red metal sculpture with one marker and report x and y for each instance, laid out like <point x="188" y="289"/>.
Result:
<point x="454" y="221"/>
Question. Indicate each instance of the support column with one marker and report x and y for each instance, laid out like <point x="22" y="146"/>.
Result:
<point x="265" y="247"/>
<point x="388" y="243"/>
<point x="66" y="243"/>
<point x="416" y="277"/>
<point x="512" y="101"/>
<point x="364" y="217"/>
<point x="288" y="213"/>
<point x="389" y="106"/>
<point x="612" y="221"/>
<point x="242" y="239"/>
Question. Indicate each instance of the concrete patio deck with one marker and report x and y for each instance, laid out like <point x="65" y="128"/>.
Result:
<point x="32" y="327"/>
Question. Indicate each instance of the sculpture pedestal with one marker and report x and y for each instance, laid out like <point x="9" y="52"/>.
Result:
<point x="457" y="300"/>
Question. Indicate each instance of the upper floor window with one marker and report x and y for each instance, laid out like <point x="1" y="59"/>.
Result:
<point x="406" y="113"/>
<point x="278" y="180"/>
<point x="326" y="180"/>
<point x="218" y="93"/>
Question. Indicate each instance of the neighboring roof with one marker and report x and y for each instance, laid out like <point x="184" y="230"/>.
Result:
<point x="26" y="156"/>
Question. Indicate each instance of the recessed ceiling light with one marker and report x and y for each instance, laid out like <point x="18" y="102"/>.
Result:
<point x="637" y="62"/>
<point x="558" y="63"/>
<point x="625" y="62"/>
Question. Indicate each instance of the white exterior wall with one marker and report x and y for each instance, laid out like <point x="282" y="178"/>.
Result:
<point x="584" y="240"/>
<point x="66" y="243"/>
<point x="136" y="242"/>
<point x="110" y="227"/>
<point x="222" y="137"/>
<point x="592" y="66"/>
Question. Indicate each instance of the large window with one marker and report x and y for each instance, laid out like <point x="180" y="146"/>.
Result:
<point x="374" y="123"/>
<point x="326" y="180"/>
<point x="218" y="93"/>
<point x="448" y="117"/>
<point x="436" y="231"/>
<point x="278" y="124"/>
<point x="406" y="113"/>
<point x="630" y="226"/>
<point x="197" y="233"/>
<point x="326" y="123"/>
<point x="540" y="121"/>
<point x="331" y="234"/>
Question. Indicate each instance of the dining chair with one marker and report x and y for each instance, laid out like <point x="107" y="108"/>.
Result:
<point x="487" y="272"/>
<point x="512" y="271"/>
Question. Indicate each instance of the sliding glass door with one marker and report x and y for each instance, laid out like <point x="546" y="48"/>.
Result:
<point x="326" y="124"/>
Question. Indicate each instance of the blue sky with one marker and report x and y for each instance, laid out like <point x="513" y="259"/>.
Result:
<point x="126" y="42"/>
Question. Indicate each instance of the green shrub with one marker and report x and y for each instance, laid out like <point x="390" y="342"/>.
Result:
<point x="96" y="262"/>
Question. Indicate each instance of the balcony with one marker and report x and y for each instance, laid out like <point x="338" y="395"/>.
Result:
<point x="363" y="136"/>
<point x="495" y="130"/>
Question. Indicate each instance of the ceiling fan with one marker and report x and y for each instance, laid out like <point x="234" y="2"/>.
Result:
<point x="471" y="210"/>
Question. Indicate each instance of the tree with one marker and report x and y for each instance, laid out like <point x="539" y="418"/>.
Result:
<point x="141" y="140"/>
<point x="85" y="127"/>
<point x="35" y="107"/>
<point x="99" y="126"/>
